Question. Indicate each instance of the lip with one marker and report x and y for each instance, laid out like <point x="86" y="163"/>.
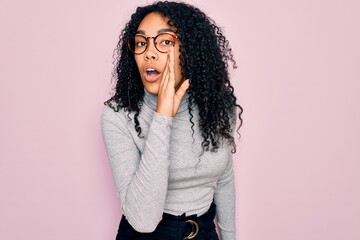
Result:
<point x="150" y="78"/>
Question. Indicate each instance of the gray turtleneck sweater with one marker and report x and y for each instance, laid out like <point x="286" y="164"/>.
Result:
<point x="164" y="171"/>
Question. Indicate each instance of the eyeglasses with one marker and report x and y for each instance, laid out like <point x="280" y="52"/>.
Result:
<point x="162" y="43"/>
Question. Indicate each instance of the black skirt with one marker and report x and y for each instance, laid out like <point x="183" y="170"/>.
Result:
<point x="174" y="228"/>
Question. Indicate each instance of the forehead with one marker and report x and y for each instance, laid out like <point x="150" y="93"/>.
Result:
<point x="152" y="23"/>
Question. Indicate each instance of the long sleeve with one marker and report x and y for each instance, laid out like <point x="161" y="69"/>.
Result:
<point x="141" y="179"/>
<point x="225" y="202"/>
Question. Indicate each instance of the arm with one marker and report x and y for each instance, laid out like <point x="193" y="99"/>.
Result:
<point x="141" y="180"/>
<point x="225" y="202"/>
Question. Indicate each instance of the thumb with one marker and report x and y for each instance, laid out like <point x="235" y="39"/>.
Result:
<point x="180" y="94"/>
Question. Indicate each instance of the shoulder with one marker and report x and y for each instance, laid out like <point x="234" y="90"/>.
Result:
<point x="112" y="113"/>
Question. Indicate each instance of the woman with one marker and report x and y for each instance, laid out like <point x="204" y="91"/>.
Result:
<point x="168" y="129"/>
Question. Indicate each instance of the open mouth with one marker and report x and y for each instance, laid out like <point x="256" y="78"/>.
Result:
<point x="151" y="74"/>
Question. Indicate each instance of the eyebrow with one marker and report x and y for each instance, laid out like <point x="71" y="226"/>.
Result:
<point x="163" y="30"/>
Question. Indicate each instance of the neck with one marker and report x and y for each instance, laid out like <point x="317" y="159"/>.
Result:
<point x="151" y="101"/>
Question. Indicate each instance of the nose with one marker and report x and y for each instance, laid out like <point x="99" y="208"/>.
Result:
<point x="151" y="52"/>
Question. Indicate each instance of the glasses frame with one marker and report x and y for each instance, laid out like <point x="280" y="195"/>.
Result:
<point x="154" y="42"/>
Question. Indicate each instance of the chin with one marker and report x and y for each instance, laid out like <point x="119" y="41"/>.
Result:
<point x="152" y="89"/>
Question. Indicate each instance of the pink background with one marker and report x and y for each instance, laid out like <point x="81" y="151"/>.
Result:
<point x="297" y="166"/>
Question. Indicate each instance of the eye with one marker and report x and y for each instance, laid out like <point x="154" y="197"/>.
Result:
<point x="139" y="41"/>
<point x="140" y="44"/>
<point x="167" y="42"/>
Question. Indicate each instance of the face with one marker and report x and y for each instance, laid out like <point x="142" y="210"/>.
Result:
<point x="152" y="59"/>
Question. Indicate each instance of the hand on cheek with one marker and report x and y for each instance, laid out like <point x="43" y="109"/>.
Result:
<point x="169" y="100"/>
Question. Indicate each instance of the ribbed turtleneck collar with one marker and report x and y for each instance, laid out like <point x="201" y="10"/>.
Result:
<point x="151" y="101"/>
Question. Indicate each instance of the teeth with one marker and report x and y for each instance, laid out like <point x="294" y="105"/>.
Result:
<point x="150" y="70"/>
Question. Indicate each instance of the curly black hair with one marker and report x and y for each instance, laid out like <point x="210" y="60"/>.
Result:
<point x="204" y="58"/>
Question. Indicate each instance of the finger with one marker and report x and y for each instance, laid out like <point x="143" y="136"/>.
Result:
<point x="164" y="78"/>
<point x="167" y="71"/>
<point x="171" y="66"/>
<point x="180" y="94"/>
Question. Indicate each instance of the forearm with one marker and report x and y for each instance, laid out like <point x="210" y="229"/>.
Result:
<point x="143" y="202"/>
<point x="141" y="178"/>
<point x="225" y="202"/>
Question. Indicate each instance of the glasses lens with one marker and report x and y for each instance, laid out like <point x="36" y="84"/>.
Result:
<point x="163" y="42"/>
<point x="137" y="44"/>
